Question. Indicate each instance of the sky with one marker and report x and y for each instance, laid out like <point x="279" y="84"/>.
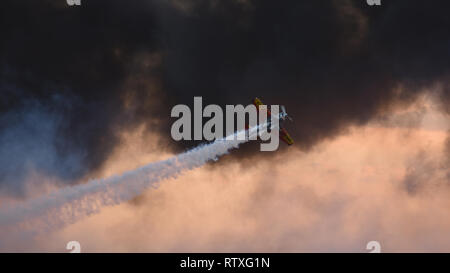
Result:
<point x="87" y="93"/>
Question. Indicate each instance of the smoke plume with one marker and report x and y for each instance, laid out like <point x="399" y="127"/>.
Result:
<point x="70" y="204"/>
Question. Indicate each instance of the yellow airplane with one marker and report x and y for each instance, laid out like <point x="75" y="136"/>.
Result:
<point x="284" y="136"/>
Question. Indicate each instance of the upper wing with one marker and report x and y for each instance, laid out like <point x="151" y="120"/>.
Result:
<point x="286" y="137"/>
<point x="257" y="102"/>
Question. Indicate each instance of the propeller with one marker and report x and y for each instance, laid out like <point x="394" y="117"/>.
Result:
<point x="284" y="113"/>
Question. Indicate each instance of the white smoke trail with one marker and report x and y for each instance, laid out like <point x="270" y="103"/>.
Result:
<point x="70" y="204"/>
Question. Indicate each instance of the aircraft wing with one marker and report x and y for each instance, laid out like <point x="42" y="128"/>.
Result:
<point x="257" y="102"/>
<point x="284" y="136"/>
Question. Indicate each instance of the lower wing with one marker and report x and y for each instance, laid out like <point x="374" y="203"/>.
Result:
<point x="284" y="136"/>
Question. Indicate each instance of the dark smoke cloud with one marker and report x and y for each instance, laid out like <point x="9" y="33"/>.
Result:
<point x="117" y="64"/>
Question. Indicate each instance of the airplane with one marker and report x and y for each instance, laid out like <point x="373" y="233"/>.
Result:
<point x="284" y="136"/>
